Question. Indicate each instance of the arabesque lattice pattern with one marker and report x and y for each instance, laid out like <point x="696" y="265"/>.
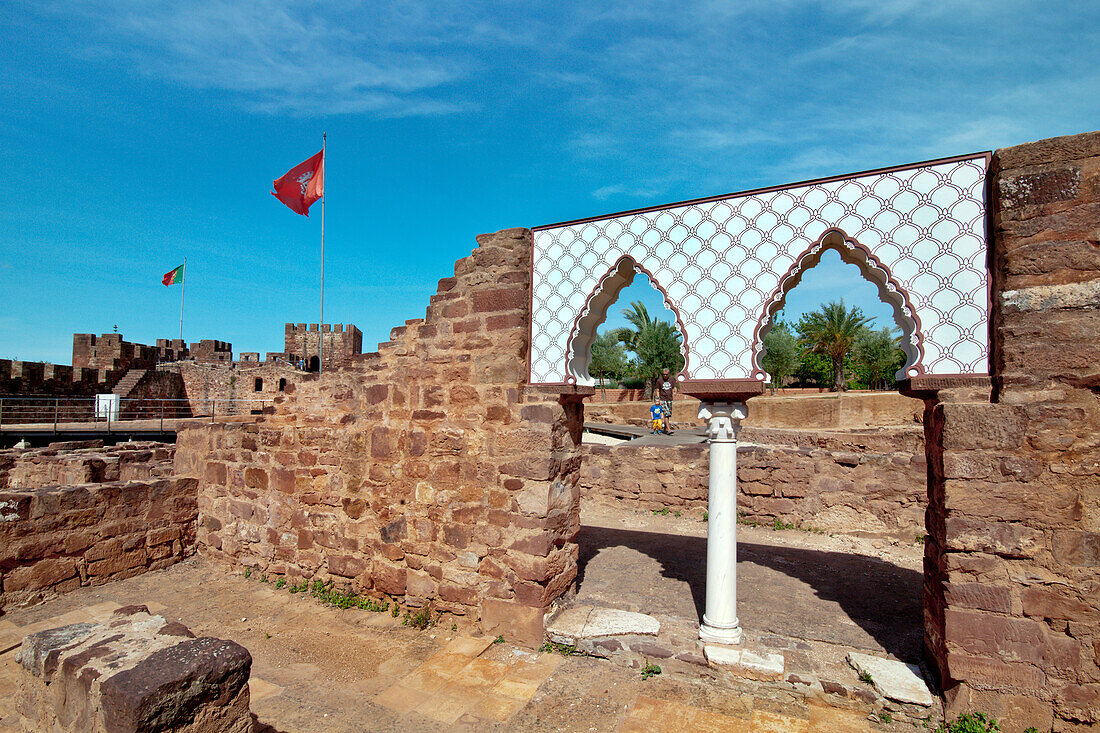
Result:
<point x="721" y="261"/>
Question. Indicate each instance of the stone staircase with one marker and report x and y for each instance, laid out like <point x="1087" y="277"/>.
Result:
<point x="130" y="380"/>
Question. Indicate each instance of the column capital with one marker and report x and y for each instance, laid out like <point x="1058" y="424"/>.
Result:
<point x="723" y="420"/>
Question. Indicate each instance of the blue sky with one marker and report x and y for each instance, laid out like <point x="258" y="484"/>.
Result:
<point x="138" y="132"/>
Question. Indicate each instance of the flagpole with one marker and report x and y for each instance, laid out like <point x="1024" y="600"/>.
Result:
<point x="321" y="325"/>
<point x="182" y="291"/>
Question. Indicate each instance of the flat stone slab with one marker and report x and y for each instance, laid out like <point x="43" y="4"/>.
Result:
<point x="579" y="624"/>
<point x="896" y="680"/>
<point x="727" y="656"/>
<point x="751" y="663"/>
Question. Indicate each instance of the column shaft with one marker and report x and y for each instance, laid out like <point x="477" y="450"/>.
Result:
<point x="720" y="623"/>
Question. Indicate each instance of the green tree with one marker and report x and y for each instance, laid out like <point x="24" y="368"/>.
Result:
<point x="812" y="369"/>
<point x="608" y="357"/>
<point x="780" y="353"/>
<point x="877" y="357"/>
<point x="832" y="331"/>
<point x="655" y="344"/>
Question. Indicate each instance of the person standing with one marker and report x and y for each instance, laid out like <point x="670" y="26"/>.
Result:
<point x="666" y="383"/>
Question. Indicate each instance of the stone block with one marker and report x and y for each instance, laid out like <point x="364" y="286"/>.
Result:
<point x="41" y="575"/>
<point x="1080" y="549"/>
<point x="980" y="596"/>
<point x="133" y="673"/>
<point x="517" y="623"/>
<point x="500" y="299"/>
<point x="1054" y="603"/>
<point x="1001" y="538"/>
<point x="894" y="680"/>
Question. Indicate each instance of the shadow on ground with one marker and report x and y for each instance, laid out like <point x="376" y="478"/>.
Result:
<point x="842" y="598"/>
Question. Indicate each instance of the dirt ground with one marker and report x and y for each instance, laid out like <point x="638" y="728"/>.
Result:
<point x="849" y="591"/>
<point x="318" y="668"/>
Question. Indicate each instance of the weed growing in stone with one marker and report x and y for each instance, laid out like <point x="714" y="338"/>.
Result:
<point x="865" y="676"/>
<point x="677" y="513"/>
<point x="706" y="515"/>
<point x="326" y="593"/>
<point x="248" y="572"/>
<point x="920" y="539"/>
<point x="563" y="649"/>
<point x="650" y="670"/>
<point x="663" y="511"/>
<point x="396" y="611"/>
<point x="970" y="723"/>
<point x="498" y="640"/>
<point x="422" y="619"/>
<point x="263" y="578"/>
<point x="885" y="717"/>
<point x="779" y="525"/>
<point x="280" y="582"/>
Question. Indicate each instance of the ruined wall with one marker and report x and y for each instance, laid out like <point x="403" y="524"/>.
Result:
<point x="821" y="412"/>
<point x="425" y="470"/>
<point x="831" y="490"/>
<point x="1012" y="582"/>
<point x="80" y="462"/>
<point x="57" y="538"/>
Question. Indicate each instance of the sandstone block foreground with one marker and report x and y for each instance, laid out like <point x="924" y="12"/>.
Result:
<point x="136" y="672"/>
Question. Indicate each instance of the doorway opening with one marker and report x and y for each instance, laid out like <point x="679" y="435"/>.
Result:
<point x="829" y="544"/>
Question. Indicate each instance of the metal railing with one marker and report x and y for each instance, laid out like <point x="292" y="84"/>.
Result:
<point x="62" y="410"/>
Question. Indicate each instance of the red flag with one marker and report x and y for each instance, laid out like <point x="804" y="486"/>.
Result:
<point x="302" y="185"/>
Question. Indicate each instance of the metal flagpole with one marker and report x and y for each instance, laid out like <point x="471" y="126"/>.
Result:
<point x="321" y="325"/>
<point x="182" y="291"/>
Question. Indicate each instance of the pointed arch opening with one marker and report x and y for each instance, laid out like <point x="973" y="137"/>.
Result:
<point x="874" y="272"/>
<point x="594" y="314"/>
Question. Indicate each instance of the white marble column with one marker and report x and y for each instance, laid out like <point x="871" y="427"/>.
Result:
<point x="720" y="622"/>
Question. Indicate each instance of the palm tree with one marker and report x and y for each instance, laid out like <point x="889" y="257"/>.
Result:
<point x="832" y="331"/>
<point x="655" y="344"/>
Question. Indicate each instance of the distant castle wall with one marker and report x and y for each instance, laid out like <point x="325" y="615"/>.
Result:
<point x="339" y="343"/>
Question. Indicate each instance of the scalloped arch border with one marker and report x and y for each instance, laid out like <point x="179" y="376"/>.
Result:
<point x="575" y="329"/>
<point x="810" y="258"/>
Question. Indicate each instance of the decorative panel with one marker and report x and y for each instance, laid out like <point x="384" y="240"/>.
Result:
<point x="722" y="262"/>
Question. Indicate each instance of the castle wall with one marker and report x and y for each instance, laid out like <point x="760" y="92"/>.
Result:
<point x="340" y="343"/>
<point x="111" y="352"/>
<point x="231" y="387"/>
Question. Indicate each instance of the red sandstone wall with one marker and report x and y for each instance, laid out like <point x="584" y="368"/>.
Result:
<point x="837" y="491"/>
<point x="1012" y="593"/>
<point x="58" y="538"/>
<point x="425" y="470"/>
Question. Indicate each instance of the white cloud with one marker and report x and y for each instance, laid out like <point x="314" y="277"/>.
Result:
<point x="277" y="57"/>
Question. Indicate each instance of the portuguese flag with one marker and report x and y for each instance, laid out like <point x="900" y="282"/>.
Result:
<point x="173" y="277"/>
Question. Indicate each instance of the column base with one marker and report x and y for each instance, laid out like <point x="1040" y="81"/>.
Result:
<point x="720" y="635"/>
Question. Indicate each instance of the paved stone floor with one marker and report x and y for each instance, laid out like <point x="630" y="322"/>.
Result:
<point x="856" y="592"/>
<point x="318" y="668"/>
